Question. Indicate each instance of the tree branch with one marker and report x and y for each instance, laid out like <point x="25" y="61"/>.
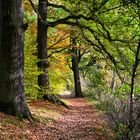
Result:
<point x="76" y="17"/>
<point x="36" y="11"/>
<point x="58" y="41"/>
<point x="102" y="4"/>
<point x="110" y="9"/>
<point x="59" y="6"/>
<point x="56" y="51"/>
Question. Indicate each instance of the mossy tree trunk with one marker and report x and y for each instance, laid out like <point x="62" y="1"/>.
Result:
<point x="42" y="48"/>
<point x="12" y="98"/>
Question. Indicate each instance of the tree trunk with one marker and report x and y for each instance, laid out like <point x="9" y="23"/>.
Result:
<point x="132" y="86"/>
<point x="77" y="83"/>
<point x="112" y="84"/>
<point x="75" y="69"/>
<point x="43" y="64"/>
<point x="43" y="79"/>
<point x="0" y="20"/>
<point x="12" y="98"/>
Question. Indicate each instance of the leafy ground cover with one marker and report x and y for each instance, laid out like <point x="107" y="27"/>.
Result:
<point x="81" y="122"/>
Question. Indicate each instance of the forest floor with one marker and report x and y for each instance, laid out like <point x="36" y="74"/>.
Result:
<point x="82" y="121"/>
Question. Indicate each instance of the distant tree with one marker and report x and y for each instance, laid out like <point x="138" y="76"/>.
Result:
<point x="75" y="67"/>
<point x="12" y="98"/>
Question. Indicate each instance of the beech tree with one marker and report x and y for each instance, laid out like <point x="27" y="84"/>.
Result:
<point x="43" y="78"/>
<point x="12" y="98"/>
<point x="75" y="67"/>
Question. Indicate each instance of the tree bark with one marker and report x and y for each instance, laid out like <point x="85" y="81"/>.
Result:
<point x="75" y="69"/>
<point x="43" y="64"/>
<point x="12" y="98"/>
<point x="113" y="80"/>
<point x="77" y="83"/>
<point x="0" y="21"/>
<point x="132" y="86"/>
<point x="43" y="79"/>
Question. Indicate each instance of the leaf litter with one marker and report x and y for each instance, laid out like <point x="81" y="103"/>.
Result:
<point x="81" y="122"/>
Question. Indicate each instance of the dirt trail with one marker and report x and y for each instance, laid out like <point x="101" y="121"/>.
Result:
<point x="81" y="122"/>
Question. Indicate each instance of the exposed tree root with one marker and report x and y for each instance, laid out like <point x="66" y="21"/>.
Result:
<point x="54" y="99"/>
<point x="18" y="109"/>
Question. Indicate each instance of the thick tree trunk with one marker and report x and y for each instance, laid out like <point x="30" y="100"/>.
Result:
<point x="43" y="64"/>
<point x="12" y="98"/>
<point x="0" y="21"/>
<point x="43" y="79"/>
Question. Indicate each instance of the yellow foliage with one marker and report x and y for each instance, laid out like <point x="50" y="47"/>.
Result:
<point x="33" y="28"/>
<point x="61" y="39"/>
<point x="59" y="62"/>
<point x="27" y="6"/>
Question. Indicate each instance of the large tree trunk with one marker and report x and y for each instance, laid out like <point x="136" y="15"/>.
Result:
<point x="12" y="98"/>
<point x="0" y="20"/>
<point x="43" y="64"/>
<point x="43" y="79"/>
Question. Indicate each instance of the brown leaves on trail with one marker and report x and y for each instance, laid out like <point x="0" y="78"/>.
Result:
<point x="81" y="122"/>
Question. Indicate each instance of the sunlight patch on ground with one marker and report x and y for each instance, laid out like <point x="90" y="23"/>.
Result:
<point x="43" y="113"/>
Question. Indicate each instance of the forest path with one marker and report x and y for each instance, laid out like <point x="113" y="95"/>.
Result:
<point x="81" y="122"/>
